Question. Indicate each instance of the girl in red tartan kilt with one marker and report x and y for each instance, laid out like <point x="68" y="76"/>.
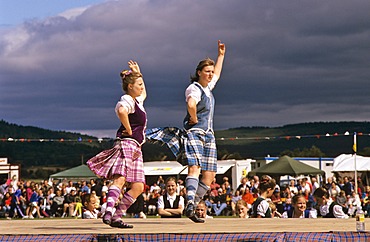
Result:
<point x="124" y="162"/>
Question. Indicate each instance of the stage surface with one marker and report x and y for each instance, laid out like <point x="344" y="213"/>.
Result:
<point x="156" y="229"/>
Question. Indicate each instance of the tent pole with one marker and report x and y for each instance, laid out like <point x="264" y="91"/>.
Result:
<point x="355" y="151"/>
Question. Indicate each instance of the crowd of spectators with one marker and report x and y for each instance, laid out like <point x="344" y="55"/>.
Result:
<point x="86" y="199"/>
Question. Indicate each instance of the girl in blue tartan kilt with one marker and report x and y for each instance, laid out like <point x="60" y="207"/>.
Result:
<point x="195" y="145"/>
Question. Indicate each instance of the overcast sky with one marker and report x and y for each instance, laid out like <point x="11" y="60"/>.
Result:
<point x="286" y="61"/>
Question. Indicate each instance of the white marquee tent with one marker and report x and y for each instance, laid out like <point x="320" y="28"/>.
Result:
<point x="346" y="163"/>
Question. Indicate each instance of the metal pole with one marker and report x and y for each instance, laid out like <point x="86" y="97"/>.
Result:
<point x="355" y="150"/>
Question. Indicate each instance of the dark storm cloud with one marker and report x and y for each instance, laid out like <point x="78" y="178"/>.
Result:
<point x="286" y="62"/>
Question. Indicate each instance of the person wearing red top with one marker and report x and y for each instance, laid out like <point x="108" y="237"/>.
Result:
<point x="247" y="196"/>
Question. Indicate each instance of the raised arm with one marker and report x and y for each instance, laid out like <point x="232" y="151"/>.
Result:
<point x="135" y="68"/>
<point x="220" y="58"/>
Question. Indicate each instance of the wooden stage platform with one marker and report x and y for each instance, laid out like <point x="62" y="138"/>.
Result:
<point x="50" y="229"/>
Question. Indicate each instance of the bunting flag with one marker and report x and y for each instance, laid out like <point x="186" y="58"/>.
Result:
<point x="271" y="138"/>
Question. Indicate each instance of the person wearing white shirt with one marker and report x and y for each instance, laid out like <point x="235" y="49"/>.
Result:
<point x="170" y="205"/>
<point x="328" y="207"/>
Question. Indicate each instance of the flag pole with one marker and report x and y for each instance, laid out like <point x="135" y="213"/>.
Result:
<point x="355" y="151"/>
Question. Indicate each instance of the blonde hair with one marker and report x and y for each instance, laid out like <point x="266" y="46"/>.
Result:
<point x="128" y="77"/>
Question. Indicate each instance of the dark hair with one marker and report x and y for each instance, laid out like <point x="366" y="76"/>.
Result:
<point x="201" y="65"/>
<point x="321" y="192"/>
<point x="266" y="182"/>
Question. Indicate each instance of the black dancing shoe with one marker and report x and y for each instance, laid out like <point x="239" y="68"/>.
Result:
<point x="120" y="224"/>
<point x="190" y="210"/>
<point x="196" y="219"/>
<point x="107" y="218"/>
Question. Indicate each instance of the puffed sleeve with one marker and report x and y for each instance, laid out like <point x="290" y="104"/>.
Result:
<point x="127" y="102"/>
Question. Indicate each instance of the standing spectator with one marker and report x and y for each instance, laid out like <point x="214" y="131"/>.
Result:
<point x="170" y="205"/>
<point x="261" y="207"/>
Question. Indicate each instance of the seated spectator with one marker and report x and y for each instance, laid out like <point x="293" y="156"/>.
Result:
<point x="34" y="207"/>
<point x="201" y="210"/>
<point x="293" y="188"/>
<point x="243" y="184"/>
<point x="97" y="205"/>
<point x="234" y="201"/>
<point x="247" y="196"/>
<point x="136" y="210"/>
<point x="353" y="203"/>
<point x="342" y="201"/>
<point x="366" y="202"/>
<point x="78" y="205"/>
<point x="242" y="209"/>
<point x="170" y="205"/>
<point x="298" y="209"/>
<point x="334" y="190"/>
<point x="57" y="204"/>
<point x="276" y="199"/>
<point x="16" y="205"/>
<point x="219" y="202"/>
<point x="6" y="201"/>
<point x="152" y="202"/>
<point x="69" y="203"/>
<point x="328" y="208"/>
<point x="274" y="211"/>
<point x="90" y="211"/>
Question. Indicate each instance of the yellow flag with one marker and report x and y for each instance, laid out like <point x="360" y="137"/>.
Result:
<point x="354" y="143"/>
